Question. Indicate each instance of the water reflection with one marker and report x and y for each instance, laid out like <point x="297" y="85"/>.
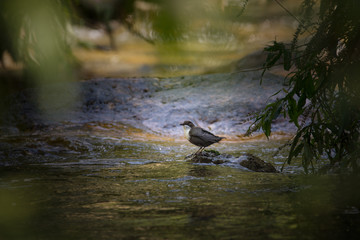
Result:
<point x="108" y="198"/>
<point x="202" y="171"/>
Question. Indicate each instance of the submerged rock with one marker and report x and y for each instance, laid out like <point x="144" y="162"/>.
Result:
<point x="248" y="160"/>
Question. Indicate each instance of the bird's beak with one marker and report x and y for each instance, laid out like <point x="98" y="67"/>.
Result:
<point x="182" y="124"/>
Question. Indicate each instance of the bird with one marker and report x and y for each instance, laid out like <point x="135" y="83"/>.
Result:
<point x="199" y="136"/>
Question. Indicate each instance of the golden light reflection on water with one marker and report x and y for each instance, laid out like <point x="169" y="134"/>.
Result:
<point x="117" y="130"/>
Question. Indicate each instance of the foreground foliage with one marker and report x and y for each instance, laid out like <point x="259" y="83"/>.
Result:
<point x="322" y="90"/>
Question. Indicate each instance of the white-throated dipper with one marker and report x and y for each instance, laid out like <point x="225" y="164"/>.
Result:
<point x="199" y="136"/>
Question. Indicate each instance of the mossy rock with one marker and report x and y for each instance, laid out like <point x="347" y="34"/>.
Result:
<point x="216" y="153"/>
<point x="256" y="164"/>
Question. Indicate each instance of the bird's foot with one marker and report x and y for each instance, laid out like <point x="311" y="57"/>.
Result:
<point x="197" y="154"/>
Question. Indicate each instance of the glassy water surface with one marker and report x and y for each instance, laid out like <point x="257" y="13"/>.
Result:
<point x="146" y="190"/>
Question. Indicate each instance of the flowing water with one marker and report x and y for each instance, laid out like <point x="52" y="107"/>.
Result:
<point x="91" y="185"/>
<point x="112" y="166"/>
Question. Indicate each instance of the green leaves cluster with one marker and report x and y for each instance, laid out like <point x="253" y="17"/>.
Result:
<point x="322" y="97"/>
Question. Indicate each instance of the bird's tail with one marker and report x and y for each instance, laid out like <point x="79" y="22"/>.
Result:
<point x="220" y="138"/>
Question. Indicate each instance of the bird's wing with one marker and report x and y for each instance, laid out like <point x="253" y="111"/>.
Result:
<point x="204" y="135"/>
<point x="198" y="141"/>
<point x="207" y="132"/>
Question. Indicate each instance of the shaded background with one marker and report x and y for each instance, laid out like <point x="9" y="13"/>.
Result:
<point x="142" y="38"/>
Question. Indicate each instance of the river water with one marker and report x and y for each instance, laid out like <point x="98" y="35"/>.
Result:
<point x="146" y="190"/>
<point x="109" y="167"/>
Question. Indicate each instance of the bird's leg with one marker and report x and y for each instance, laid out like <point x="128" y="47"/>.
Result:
<point x="199" y="151"/>
<point x="202" y="149"/>
<point x="194" y="154"/>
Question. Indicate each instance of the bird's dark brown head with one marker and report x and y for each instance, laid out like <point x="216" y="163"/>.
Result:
<point x="188" y="123"/>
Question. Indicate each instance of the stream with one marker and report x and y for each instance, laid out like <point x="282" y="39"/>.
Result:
<point x="146" y="190"/>
<point x="105" y="159"/>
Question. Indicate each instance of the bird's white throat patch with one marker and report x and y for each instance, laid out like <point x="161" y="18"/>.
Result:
<point x="186" y="131"/>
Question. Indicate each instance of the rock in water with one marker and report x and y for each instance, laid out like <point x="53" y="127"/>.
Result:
<point x="209" y="156"/>
<point x="248" y="160"/>
<point x="256" y="164"/>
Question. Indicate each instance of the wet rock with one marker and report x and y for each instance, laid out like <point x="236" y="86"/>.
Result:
<point x="256" y="164"/>
<point x="248" y="160"/>
<point x="210" y="156"/>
